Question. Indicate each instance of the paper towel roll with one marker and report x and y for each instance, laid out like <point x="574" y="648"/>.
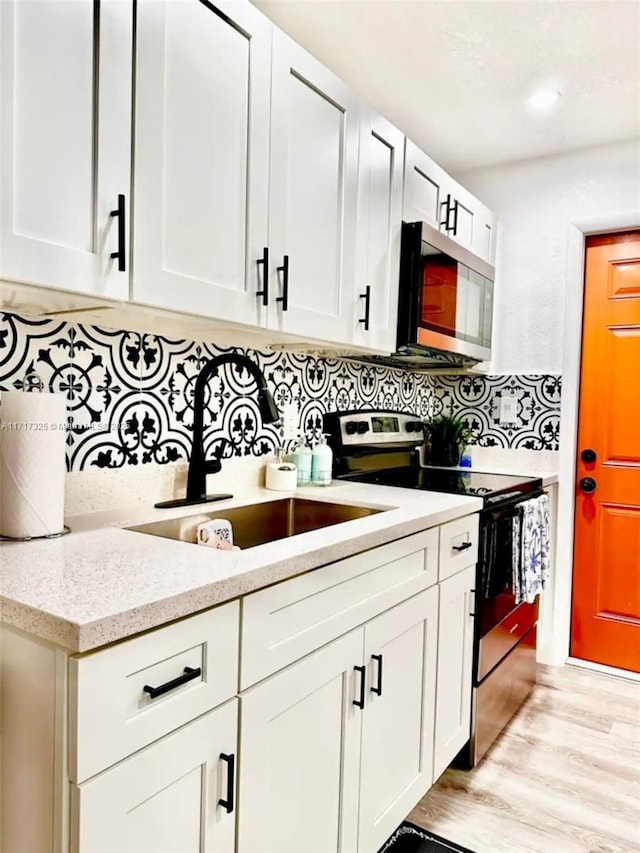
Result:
<point x="32" y="463"/>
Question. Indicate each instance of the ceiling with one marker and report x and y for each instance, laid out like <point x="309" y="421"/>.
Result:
<point x="455" y="75"/>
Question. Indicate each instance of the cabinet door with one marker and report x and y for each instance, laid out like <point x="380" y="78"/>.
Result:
<point x="313" y="195"/>
<point x="300" y="747"/>
<point x="426" y="186"/>
<point x="165" y="798"/>
<point x="471" y="224"/>
<point x="485" y="236"/>
<point x="201" y="157"/>
<point x="380" y="175"/>
<point x="397" y="725"/>
<point x="66" y="142"/>
<point x="455" y="658"/>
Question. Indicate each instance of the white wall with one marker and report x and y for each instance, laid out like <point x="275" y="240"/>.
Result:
<point x="536" y="200"/>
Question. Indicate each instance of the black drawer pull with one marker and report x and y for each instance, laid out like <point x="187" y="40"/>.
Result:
<point x="473" y="593"/>
<point x="359" y="703"/>
<point x="463" y="547"/>
<point x="264" y="261"/>
<point x="120" y="254"/>
<point x="378" y="688"/>
<point x="231" y="769"/>
<point x="189" y="674"/>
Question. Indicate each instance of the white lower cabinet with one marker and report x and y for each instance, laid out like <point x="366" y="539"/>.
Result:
<point x="359" y="699"/>
<point x="397" y="724"/>
<point x="167" y="797"/>
<point x="455" y="668"/>
<point x="300" y="749"/>
<point x="337" y="748"/>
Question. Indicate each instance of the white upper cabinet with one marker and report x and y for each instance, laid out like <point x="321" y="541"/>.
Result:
<point x="66" y="143"/>
<point x="426" y="187"/>
<point x="380" y="176"/>
<point x="433" y="196"/>
<point x="313" y="195"/>
<point x="201" y="157"/>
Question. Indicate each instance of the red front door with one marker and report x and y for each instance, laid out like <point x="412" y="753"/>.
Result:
<point x="605" y="625"/>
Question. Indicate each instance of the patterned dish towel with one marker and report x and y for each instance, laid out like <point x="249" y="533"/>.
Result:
<point x="531" y="549"/>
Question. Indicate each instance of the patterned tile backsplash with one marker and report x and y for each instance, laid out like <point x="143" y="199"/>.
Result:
<point x="129" y="395"/>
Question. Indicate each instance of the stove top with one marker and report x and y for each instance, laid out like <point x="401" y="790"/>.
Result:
<point x="493" y="488"/>
<point x="381" y="446"/>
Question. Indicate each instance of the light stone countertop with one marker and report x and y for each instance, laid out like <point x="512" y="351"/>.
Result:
<point x="101" y="583"/>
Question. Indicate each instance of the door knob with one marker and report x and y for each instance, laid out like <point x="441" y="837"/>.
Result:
<point x="588" y="485"/>
<point x="589" y="456"/>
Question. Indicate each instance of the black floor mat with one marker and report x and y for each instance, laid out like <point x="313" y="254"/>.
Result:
<point x="409" y="838"/>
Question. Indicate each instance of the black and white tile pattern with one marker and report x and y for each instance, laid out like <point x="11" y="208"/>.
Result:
<point x="130" y="395"/>
<point x="476" y="399"/>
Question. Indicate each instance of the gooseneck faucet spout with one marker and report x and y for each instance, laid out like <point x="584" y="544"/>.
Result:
<point x="199" y="466"/>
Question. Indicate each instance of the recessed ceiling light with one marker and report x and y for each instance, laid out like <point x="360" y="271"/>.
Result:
<point x="543" y="100"/>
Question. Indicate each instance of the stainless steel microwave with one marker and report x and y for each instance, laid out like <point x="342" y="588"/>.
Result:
<point x="445" y="300"/>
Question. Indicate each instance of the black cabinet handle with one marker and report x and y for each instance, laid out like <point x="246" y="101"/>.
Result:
<point x="588" y="485"/>
<point x="463" y="547"/>
<point x="189" y="674"/>
<point x="378" y="688"/>
<point x="456" y="205"/>
<point x="359" y="703"/>
<point x="231" y="769"/>
<point x="367" y="307"/>
<point x="473" y="592"/>
<point x="446" y="205"/>
<point x="284" y="269"/>
<point x="588" y="456"/>
<point x="264" y="260"/>
<point x="450" y="206"/>
<point x="120" y="254"/>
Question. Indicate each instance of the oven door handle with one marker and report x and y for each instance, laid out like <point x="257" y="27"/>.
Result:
<point x="511" y="509"/>
<point x="473" y="598"/>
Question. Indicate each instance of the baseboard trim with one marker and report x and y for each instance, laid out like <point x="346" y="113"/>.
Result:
<point x="605" y="670"/>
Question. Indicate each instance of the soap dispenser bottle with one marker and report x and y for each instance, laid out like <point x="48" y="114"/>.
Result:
<point x="321" y="463"/>
<point x="302" y="457"/>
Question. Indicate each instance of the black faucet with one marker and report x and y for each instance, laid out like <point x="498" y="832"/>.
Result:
<point x="199" y="466"/>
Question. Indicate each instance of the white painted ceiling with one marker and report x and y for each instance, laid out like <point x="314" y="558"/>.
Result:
<point x="455" y="74"/>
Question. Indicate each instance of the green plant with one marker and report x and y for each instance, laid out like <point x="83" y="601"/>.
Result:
<point x="447" y="429"/>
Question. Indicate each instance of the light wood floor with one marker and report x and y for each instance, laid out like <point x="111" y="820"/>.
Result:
<point x="563" y="778"/>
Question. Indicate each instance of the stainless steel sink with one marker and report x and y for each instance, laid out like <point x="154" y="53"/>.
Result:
<point x="258" y="523"/>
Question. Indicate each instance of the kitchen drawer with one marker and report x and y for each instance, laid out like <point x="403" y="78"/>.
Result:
<point x="458" y="545"/>
<point x="291" y="619"/>
<point x="111" y="715"/>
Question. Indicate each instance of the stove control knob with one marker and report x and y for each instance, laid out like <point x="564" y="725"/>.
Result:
<point x="363" y="427"/>
<point x="351" y="427"/>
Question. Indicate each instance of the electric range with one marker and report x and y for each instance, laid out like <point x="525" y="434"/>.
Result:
<point x="384" y="448"/>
